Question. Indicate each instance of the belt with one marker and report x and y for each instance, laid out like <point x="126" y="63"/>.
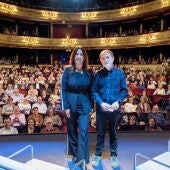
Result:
<point x="77" y="91"/>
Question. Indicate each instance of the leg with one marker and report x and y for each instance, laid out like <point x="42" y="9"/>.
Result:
<point x="83" y="138"/>
<point x="113" y="124"/>
<point x="101" y="124"/>
<point x="72" y="134"/>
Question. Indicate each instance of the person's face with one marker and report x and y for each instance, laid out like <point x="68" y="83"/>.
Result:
<point x="40" y="100"/>
<point x="132" y="120"/>
<point x="151" y="122"/>
<point x="107" y="60"/>
<point x="30" y="122"/>
<point x="79" y="59"/>
<point x="7" y="123"/>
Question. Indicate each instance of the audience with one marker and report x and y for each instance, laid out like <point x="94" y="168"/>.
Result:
<point x="38" y="87"/>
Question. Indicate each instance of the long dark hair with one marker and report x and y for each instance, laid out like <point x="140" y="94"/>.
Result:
<point x="72" y="56"/>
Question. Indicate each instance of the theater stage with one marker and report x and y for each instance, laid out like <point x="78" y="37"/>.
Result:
<point x="53" y="148"/>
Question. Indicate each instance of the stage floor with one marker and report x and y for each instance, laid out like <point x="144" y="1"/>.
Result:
<point x="53" y="148"/>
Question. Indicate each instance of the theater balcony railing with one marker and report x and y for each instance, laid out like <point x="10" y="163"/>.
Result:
<point x="143" y="40"/>
<point x="154" y="7"/>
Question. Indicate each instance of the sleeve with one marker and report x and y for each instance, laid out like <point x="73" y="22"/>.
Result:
<point x="94" y="90"/>
<point x="123" y="88"/>
<point x="64" y="88"/>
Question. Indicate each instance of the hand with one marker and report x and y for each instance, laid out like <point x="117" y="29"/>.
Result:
<point x="115" y="106"/>
<point x="67" y="112"/>
<point x="106" y="106"/>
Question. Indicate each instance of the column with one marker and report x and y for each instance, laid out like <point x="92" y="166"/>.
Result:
<point x="101" y="31"/>
<point x="141" y="28"/>
<point x="51" y="59"/>
<point x="161" y="56"/>
<point x="87" y="30"/>
<point x="120" y="30"/>
<point x="51" y="30"/>
<point x="36" y="59"/>
<point x="162" y="24"/>
<point x="36" y="30"/>
<point x="16" y="28"/>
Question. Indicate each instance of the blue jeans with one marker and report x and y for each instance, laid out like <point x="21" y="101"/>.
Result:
<point x="104" y="120"/>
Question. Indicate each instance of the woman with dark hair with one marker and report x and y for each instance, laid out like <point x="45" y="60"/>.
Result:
<point x="30" y="128"/>
<point x="76" y="103"/>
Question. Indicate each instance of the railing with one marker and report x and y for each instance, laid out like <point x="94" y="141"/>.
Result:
<point x="150" y="159"/>
<point x="83" y="162"/>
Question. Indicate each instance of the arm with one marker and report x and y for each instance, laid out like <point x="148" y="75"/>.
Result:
<point x="95" y="89"/>
<point x="64" y="88"/>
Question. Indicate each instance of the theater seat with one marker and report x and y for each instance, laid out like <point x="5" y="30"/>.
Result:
<point x="137" y="92"/>
<point x="150" y="91"/>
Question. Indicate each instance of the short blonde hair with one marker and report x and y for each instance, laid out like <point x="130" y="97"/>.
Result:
<point x="106" y="51"/>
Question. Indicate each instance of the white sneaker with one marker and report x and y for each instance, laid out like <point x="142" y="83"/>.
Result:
<point x="114" y="162"/>
<point x="96" y="161"/>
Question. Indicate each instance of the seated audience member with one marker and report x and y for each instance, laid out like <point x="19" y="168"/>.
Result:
<point x="141" y="85"/>
<point x="38" y="118"/>
<point x="152" y="126"/>
<point x="51" y="81"/>
<point x="45" y="97"/>
<point x="18" y="119"/>
<point x="159" y="117"/>
<point x="47" y="89"/>
<point x="17" y="97"/>
<point x="124" y="120"/>
<point x="141" y="117"/>
<point x="58" y="105"/>
<point x="132" y="86"/>
<point x="130" y="106"/>
<point x="25" y="107"/>
<point x="9" y="90"/>
<point x="22" y="90"/>
<point x="145" y="96"/>
<point x="49" y="128"/>
<point x="42" y="107"/>
<point x="132" y="123"/>
<point x="30" y="128"/>
<point x="32" y="90"/>
<point x="56" y="118"/>
<point x="54" y="104"/>
<point x="8" y="108"/>
<point x="32" y="98"/>
<point x="144" y="106"/>
<point x="151" y="83"/>
<point x="1" y="118"/>
<point x="160" y="90"/>
<point x="55" y="95"/>
<point x="8" y="129"/>
<point x="135" y="97"/>
<point x="38" y="85"/>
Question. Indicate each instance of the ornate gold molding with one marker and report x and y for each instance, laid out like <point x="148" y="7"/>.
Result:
<point x="110" y="15"/>
<point x="144" y="40"/>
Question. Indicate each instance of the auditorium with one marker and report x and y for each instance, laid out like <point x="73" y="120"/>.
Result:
<point x="37" y="43"/>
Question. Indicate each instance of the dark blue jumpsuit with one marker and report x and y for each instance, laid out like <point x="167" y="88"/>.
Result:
<point x="75" y="90"/>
